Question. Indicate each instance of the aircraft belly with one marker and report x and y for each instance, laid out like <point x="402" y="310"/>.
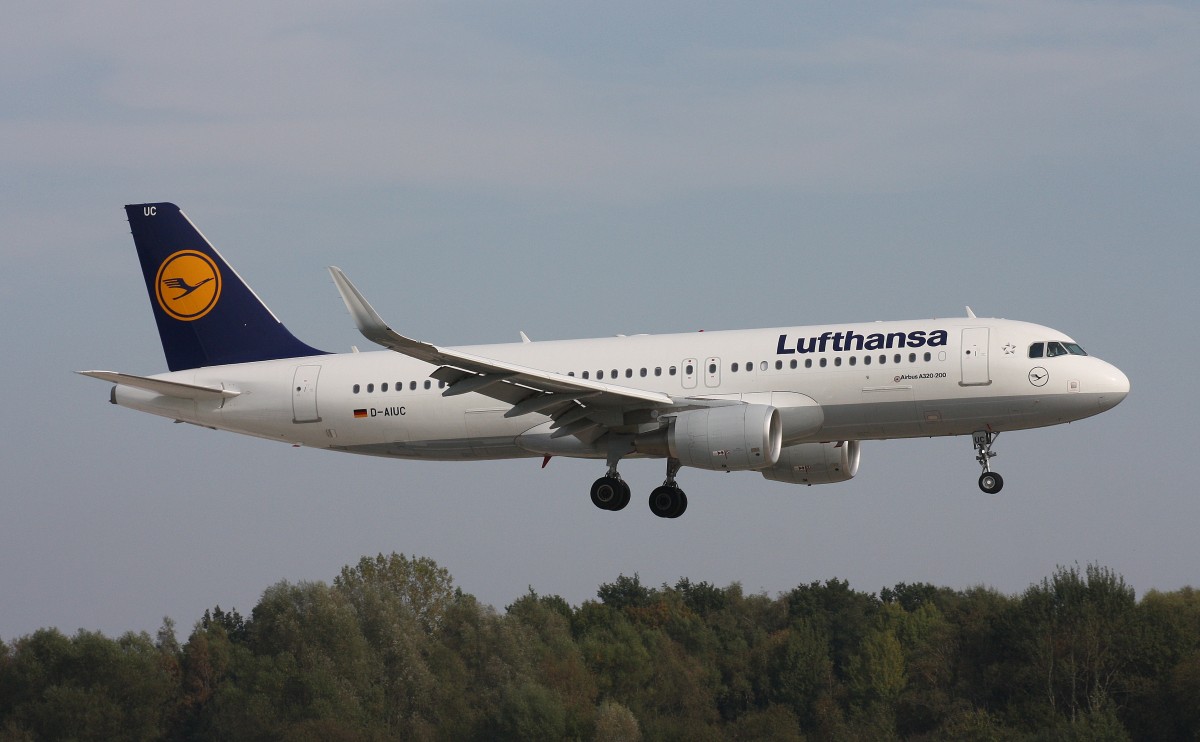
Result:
<point x="454" y="449"/>
<point x="955" y="416"/>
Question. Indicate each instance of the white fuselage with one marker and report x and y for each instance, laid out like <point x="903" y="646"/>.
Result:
<point x="837" y="382"/>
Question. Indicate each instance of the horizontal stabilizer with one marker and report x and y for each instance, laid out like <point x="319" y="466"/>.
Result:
<point x="160" y="386"/>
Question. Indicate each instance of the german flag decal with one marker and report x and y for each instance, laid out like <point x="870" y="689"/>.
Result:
<point x="360" y="413"/>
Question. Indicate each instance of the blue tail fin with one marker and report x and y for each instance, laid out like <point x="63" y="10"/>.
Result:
<point x="206" y="314"/>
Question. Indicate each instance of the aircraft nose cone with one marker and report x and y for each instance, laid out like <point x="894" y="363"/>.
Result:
<point x="1114" y="386"/>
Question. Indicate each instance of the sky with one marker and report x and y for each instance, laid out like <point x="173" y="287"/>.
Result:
<point x="586" y="170"/>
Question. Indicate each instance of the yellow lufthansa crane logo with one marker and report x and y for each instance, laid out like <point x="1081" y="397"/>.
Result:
<point x="188" y="285"/>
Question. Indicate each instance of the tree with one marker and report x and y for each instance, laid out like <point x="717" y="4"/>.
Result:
<point x="625" y="592"/>
<point x="1074" y="629"/>
<point x="418" y="584"/>
<point x="842" y="614"/>
<point x="615" y="723"/>
<point x="529" y="711"/>
<point x="86" y="687"/>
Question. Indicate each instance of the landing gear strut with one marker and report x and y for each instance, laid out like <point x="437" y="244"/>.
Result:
<point x="990" y="482"/>
<point x="668" y="501"/>
<point x="610" y="492"/>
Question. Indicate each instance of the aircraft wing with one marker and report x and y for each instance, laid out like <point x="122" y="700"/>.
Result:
<point x="526" y="389"/>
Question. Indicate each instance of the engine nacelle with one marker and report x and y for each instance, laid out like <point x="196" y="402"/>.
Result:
<point x="732" y="438"/>
<point x="816" y="463"/>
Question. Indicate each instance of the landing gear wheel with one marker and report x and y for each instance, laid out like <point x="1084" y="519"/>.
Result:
<point x="625" y="495"/>
<point x="991" y="482"/>
<point x="680" y="506"/>
<point x="610" y="493"/>
<point x="668" y="502"/>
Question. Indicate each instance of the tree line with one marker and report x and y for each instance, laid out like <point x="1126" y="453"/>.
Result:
<point x="391" y="649"/>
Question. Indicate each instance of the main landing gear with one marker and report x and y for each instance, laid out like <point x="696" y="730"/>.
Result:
<point x="990" y="482"/>
<point x="668" y="501"/>
<point x="610" y="492"/>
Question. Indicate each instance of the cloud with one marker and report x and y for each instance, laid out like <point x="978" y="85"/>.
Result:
<point x="918" y="95"/>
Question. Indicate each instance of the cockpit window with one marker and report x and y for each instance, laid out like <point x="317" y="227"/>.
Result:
<point x="1055" y="348"/>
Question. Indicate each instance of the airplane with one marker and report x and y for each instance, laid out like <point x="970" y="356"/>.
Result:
<point x="791" y="403"/>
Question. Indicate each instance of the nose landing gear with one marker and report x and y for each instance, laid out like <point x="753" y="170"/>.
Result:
<point x="990" y="482"/>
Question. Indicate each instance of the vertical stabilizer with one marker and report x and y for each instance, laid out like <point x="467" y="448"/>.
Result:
<point x="206" y="314"/>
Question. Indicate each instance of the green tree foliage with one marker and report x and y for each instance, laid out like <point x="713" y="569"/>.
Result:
<point x="85" y="687"/>
<point x="392" y="650"/>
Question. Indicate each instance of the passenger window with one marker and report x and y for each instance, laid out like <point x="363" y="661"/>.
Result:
<point x="412" y="385"/>
<point x="658" y="370"/>
<point x="749" y="366"/>
<point x="897" y="358"/>
<point x="824" y="361"/>
<point x="427" y="384"/>
<point x="615" y="373"/>
<point x="778" y="365"/>
<point x="370" y="388"/>
<point x="585" y="374"/>
<point x="628" y="373"/>
<point x="689" y="370"/>
<point x="867" y="360"/>
<point x="762" y="366"/>
<point x="853" y="360"/>
<point x="882" y="359"/>
<point x="383" y="387"/>
<point x="600" y="374"/>
<point x="643" y="373"/>
<point x="712" y="368"/>
<point x="733" y="367"/>
<point x="928" y="357"/>
<point x="671" y="371"/>
<point x="356" y="388"/>
<point x="1037" y="350"/>
<point x="837" y="361"/>
<point x="794" y="364"/>
<point x="912" y="357"/>
<point x="808" y="363"/>
<point x="441" y="385"/>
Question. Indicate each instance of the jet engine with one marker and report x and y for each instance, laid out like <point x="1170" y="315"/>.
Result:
<point x="732" y="438"/>
<point x="816" y="463"/>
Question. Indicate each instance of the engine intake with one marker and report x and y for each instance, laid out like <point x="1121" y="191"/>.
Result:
<point x="732" y="438"/>
<point x="816" y="463"/>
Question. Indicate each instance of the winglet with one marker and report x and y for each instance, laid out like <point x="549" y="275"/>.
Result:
<point x="372" y="326"/>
